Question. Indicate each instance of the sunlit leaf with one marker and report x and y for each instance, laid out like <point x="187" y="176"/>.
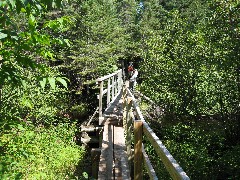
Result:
<point x="2" y="35"/>
<point x="52" y="82"/>
<point x="24" y="2"/>
<point x="67" y="42"/>
<point x="23" y="10"/>
<point x="62" y="81"/>
<point x="20" y="127"/>
<point x="27" y="102"/>
<point x="3" y="3"/>
<point x="31" y="20"/>
<point x="43" y="83"/>
<point x="12" y="3"/>
<point x="24" y="84"/>
<point x="85" y="175"/>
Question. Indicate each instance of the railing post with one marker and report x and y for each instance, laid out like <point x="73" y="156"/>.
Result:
<point x="116" y="85"/>
<point x="100" y="98"/>
<point x="108" y="92"/>
<point x="138" y="156"/>
<point x="113" y="87"/>
<point x="119" y="80"/>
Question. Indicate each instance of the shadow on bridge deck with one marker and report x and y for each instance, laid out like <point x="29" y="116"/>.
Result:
<point x="113" y="114"/>
<point x="113" y="159"/>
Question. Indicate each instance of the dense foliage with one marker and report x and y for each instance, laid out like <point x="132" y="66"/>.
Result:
<point x="51" y="51"/>
<point x="196" y="60"/>
<point x="191" y="69"/>
<point x="39" y="153"/>
<point x="36" y="138"/>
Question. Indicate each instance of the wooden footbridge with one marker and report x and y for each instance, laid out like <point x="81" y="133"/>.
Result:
<point x="122" y="125"/>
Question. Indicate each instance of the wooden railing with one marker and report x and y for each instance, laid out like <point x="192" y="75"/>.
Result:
<point x="111" y="85"/>
<point x="140" y="126"/>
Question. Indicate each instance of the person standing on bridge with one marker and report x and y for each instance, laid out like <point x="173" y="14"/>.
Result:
<point x="133" y="73"/>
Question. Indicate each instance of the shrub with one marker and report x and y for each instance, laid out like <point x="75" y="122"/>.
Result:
<point x="39" y="153"/>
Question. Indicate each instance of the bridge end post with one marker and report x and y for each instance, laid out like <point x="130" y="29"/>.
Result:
<point x="138" y="155"/>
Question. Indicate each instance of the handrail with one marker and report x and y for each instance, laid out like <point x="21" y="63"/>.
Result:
<point x="142" y="127"/>
<point x="114" y="84"/>
<point x="109" y="75"/>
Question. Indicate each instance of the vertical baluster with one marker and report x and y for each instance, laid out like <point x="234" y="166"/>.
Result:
<point x="108" y="91"/>
<point x="116" y="85"/>
<point x="100" y="98"/>
<point x="113" y="87"/>
<point x="119" y="81"/>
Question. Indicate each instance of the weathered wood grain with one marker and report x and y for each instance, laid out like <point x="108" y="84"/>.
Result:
<point x="138" y="155"/>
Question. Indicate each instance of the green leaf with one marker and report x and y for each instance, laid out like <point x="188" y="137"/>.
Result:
<point x="23" y="10"/>
<point x="24" y="2"/>
<point x="27" y="103"/>
<point x="60" y="20"/>
<point x="32" y="20"/>
<point x="3" y="3"/>
<point x="48" y="54"/>
<point x="14" y="37"/>
<point x="67" y="42"/>
<point x="20" y="127"/>
<point x="52" y="82"/>
<point x="13" y="3"/>
<point x="24" y="83"/>
<point x="62" y="81"/>
<point x="58" y="3"/>
<point x="43" y="83"/>
<point x="85" y="175"/>
<point x="2" y="35"/>
<point x="19" y="5"/>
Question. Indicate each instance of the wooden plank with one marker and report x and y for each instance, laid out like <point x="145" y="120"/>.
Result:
<point x="108" y="76"/>
<point x="148" y="165"/>
<point x="118" y="147"/>
<point x="120" y="156"/>
<point x="125" y="168"/>
<point x="169" y="162"/>
<point x="106" y="157"/>
<point x="138" y="156"/>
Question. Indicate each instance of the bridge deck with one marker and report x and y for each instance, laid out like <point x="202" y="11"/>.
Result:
<point x="113" y="159"/>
